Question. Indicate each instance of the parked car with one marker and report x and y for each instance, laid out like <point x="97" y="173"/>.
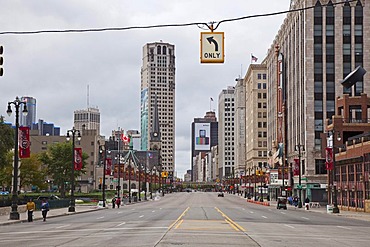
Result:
<point x="51" y="197"/>
<point x="220" y="194"/>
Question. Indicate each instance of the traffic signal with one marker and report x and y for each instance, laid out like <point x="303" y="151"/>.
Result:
<point x="1" y="60"/>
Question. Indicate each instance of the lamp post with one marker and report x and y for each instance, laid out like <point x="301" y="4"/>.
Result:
<point x="129" y="181"/>
<point x="139" y="192"/>
<point x="119" y="169"/>
<point x="14" y="214"/>
<point x="333" y="171"/>
<point x="255" y="181"/>
<point x="104" y="149"/>
<point x="261" y="178"/>
<point x="299" y="148"/>
<point x="73" y="131"/>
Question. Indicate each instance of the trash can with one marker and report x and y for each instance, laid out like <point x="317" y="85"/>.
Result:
<point x="329" y="209"/>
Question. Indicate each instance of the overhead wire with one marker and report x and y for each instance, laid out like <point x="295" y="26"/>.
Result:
<point x="209" y="25"/>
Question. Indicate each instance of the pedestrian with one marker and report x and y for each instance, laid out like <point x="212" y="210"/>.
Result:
<point x="307" y="203"/>
<point x="113" y="202"/>
<point x="118" y="202"/>
<point x="295" y="201"/>
<point x="30" y="208"/>
<point x="44" y="208"/>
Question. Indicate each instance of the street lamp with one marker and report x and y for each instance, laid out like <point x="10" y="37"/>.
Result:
<point x="299" y="148"/>
<point x="333" y="172"/>
<point x="14" y="214"/>
<point x="104" y="149"/>
<point x="73" y="131"/>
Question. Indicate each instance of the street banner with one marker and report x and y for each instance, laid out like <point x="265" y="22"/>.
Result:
<point x="296" y="167"/>
<point x="108" y="168"/>
<point x="24" y="142"/>
<point x="78" y="159"/>
<point x="329" y="159"/>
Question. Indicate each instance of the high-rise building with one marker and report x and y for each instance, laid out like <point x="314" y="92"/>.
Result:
<point x="204" y="135"/>
<point x="31" y="115"/>
<point x="158" y="80"/>
<point x="312" y="52"/>
<point x="226" y="133"/>
<point x="87" y="119"/>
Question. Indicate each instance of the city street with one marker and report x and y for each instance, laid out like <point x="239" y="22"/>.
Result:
<point x="191" y="219"/>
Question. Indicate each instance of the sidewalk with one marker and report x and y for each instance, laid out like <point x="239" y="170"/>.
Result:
<point x="4" y="219"/>
<point x="322" y="209"/>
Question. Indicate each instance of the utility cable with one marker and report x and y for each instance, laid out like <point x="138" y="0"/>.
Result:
<point x="199" y="24"/>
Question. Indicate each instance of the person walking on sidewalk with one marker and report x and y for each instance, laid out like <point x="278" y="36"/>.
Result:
<point x="30" y="208"/>
<point x="118" y="202"/>
<point x="113" y="202"/>
<point x="307" y="203"/>
<point x="44" y="208"/>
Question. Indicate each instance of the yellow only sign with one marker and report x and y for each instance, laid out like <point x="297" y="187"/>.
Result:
<point x="164" y="174"/>
<point x="212" y="47"/>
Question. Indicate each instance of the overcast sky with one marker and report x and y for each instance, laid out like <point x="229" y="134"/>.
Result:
<point x="57" y="68"/>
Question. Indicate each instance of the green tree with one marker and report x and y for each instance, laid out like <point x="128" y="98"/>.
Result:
<point x="32" y="172"/>
<point x="58" y="159"/>
<point x="6" y="171"/>
<point x="6" y="141"/>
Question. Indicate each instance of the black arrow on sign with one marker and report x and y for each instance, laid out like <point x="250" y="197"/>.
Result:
<point x="211" y="40"/>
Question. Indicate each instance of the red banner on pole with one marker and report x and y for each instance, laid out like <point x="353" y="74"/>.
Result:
<point x="296" y="167"/>
<point x="329" y="159"/>
<point x="24" y="142"/>
<point x="78" y="159"/>
<point x="108" y="166"/>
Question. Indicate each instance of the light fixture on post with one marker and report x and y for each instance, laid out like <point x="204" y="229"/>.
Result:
<point x="14" y="214"/>
<point x="331" y="144"/>
<point x="105" y="151"/>
<point x="73" y="131"/>
<point x="300" y="149"/>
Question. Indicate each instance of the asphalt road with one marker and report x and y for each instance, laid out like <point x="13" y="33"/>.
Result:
<point x="191" y="219"/>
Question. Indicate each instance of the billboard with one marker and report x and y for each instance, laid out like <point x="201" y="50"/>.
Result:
<point x="202" y="136"/>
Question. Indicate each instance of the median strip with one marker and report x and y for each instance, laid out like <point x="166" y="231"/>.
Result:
<point x="232" y="223"/>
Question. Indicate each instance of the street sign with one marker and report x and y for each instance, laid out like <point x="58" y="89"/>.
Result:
<point x="212" y="47"/>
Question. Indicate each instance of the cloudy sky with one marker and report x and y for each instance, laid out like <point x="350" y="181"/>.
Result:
<point x="56" y="68"/>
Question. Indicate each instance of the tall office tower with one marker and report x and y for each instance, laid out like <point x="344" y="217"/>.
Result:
<point x="204" y="135"/>
<point x="226" y="133"/>
<point x="240" y="121"/>
<point x="87" y="119"/>
<point x="158" y="80"/>
<point x="312" y="52"/>
<point x="31" y="116"/>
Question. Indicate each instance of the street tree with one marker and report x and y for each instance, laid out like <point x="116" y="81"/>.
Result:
<point x="58" y="160"/>
<point x="6" y="171"/>
<point x="32" y="173"/>
<point x="6" y="141"/>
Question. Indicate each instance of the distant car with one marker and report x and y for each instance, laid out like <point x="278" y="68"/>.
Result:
<point x="52" y="197"/>
<point x="220" y="194"/>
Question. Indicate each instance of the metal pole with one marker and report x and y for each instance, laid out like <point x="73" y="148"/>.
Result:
<point x="335" y="202"/>
<point x="72" y="202"/>
<point x="119" y="167"/>
<point x="299" y="177"/>
<point x="261" y="177"/>
<point x="14" y="214"/>
<point x="139" y="192"/>
<point x="129" y="181"/>
<point x="104" y="167"/>
<point x="255" y="181"/>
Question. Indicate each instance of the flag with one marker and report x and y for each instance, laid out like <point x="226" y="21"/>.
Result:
<point x="108" y="168"/>
<point x="329" y="159"/>
<point x="296" y="167"/>
<point x="211" y="99"/>
<point x="24" y="142"/>
<point x="253" y="58"/>
<point x="78" y="159"/>
<point x="125" y="139"/>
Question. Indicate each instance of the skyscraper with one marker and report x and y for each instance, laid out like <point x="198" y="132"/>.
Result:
<point x="158" y="80"/>
<point x="87" y="119"/>
<point x="312" y="52"/>
<point x="226" y="132"/>
<point x="31" y="116"/>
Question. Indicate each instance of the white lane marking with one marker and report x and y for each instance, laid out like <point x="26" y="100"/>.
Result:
<point x="141" y="216"/>
<point x="243" y="208"/>
<point x="133" y="209"/>
<point x="120" y="212"/>
<point x="153" y="211"/>
<point x="347" y="228"/>
<point x="100" y="218"/>
<point x="305" y="218"/>
<point x="264" y="217"/>
<point x="270" y="209"/>
<point x="61" y="226"/>
<point x="251" y="212"/>
<point x="289" y="226"/>
<point x="160" y="208"/>
<point x="282" y="212"/>
<point x="121" y="224"/>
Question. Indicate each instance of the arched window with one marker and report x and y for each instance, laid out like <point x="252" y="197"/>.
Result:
<point x="159" y="50"/>
<point x="164" y="50"/>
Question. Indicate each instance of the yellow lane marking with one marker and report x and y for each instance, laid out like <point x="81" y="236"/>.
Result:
<point x="230" y="221"/>
<point x="180" y="222"/>
<point x="177" y="220"/>
<point x="232" y="225"/>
